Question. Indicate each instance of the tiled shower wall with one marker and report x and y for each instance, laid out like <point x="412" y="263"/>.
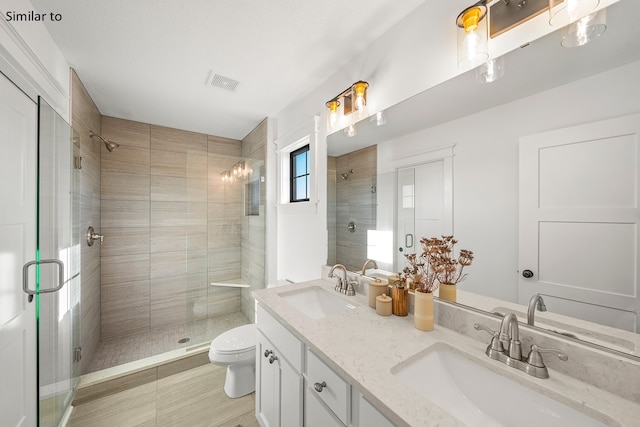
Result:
<point x="355" y="202"/>
<point x="171" y="227"/>
<point x="85" y="117"/>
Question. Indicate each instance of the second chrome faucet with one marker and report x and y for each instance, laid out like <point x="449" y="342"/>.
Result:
<point x="505" y="347"/>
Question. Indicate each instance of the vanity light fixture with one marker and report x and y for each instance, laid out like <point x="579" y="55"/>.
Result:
<point x="491" y="70"/>
<point x="565" y="12"/>
<point x="472" y="35"/>
<point x="584" y="29"/>
<point x="351" y="100"/>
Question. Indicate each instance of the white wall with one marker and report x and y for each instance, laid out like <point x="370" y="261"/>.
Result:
<point x="416" y="54"/>
<point x="485" y="165"/>
<point x="30" y="58"/>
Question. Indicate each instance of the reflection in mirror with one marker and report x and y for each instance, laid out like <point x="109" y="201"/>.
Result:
<point x="546" y="87"/>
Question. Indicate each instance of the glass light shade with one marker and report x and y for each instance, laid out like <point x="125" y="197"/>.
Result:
<point x="351" y="130"/>
<point x="585" y="29"/>
<point x="472" y="37"/>
<point x="564" y="12"/>
<point x="359" y="89"/>
<point x="491" y="70"/>
<point x="378" y="119"/>
<point x="332" y="117"/>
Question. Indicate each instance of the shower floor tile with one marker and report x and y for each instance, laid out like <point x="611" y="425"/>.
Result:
<point x="135" y="347"/>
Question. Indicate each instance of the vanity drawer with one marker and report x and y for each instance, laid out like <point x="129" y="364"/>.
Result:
<point x="335" y="394"/>
<point x="286" y="343"/>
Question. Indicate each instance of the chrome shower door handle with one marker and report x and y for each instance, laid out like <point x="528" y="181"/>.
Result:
<point x="25" y="277"/>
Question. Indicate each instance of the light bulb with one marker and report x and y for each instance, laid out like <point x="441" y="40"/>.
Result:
<point x="351" y="131"/>
<point x="359" y="88"/>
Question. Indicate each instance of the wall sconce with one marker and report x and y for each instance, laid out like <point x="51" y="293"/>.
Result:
<point x="564" y="12"/>
<point x="584" y="29"/>
<point x="472" y="35"/>
<point x="238" y="171"/>
<point x="354" y="100"/>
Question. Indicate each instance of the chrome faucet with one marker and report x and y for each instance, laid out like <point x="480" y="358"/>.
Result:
<point x="510" y="336"/>
<point x="536" y="301"/>
<point x="505" y="347"/>
<point x="367" y="262"/>
<point x="344" y="285"/>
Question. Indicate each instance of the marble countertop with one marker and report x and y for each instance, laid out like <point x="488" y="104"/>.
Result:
<point x="362" y="347"/>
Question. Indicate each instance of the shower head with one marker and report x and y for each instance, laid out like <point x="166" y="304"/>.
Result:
<point x="345" y="175"/>
<point x="110" y="145"/>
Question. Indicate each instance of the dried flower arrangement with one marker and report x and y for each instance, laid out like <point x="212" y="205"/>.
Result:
<point x="436" y="264"/>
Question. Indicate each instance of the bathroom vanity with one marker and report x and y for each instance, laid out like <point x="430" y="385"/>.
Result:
<point x="325" y="359"/>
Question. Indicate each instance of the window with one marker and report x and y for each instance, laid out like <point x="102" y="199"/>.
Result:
<point x="299" y="175"/>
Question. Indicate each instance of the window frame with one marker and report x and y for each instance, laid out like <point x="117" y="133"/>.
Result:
<point x="294" y="174"/>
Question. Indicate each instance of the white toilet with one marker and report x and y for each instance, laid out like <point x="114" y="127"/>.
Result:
<point x="236" y="349"/>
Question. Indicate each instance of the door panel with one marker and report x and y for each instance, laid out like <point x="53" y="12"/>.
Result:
<point x="17" y="247"/>
<point x="579" y="215"/>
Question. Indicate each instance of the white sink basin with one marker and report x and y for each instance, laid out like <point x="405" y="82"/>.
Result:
<point x="315" y="302"/>
<point x="478" y="396"/>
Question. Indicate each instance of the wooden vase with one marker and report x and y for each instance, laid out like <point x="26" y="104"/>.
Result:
<point x="423" y="311"/>
<point x="447" y="292"/>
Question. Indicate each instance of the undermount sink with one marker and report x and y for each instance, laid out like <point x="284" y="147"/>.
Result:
<point x="477" y="396"/>
<point x="573" y="331"/>
<point x="316" y="302"/>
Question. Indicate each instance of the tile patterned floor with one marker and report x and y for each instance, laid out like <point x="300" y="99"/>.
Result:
<point x="193" y="398"/>
<point x="116" y="352"/>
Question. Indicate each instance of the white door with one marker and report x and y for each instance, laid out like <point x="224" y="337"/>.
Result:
<point x="423" y="207"/>
<point x="17" y="246"/>
<point x="579" y="221"/>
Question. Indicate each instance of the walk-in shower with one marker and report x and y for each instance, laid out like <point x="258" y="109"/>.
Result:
<point x="184" y="242"/>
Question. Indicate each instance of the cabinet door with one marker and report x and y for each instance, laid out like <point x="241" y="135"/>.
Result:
<point x="318" y="415"/>
<point x="267" y="384"/>
<point x="291" y="389"/>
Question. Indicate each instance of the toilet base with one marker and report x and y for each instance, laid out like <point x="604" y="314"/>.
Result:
<point x="240" y="380"/>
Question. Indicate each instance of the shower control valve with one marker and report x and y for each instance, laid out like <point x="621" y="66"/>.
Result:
<point x="92" y="236"/>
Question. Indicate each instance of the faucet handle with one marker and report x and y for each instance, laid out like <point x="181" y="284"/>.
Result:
<point x="535" y="358"/>
<point x="495" y="345"/>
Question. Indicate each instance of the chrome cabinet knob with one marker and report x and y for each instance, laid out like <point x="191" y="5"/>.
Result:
<point x="272" y="359"/>
<point x="267" y="353"/>
<point x="319" y="386"/>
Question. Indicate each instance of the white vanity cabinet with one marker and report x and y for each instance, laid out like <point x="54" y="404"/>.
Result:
<point x="319" y="398"/>
<point x="279" y="382"/>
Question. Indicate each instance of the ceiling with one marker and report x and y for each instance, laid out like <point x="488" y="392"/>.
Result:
<point x="149" y="60"/>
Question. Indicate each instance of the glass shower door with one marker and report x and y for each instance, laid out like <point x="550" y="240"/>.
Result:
<point x="58" y="240"/>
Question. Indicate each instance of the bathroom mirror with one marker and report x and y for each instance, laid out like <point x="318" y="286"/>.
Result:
<point x="534" y="74"/>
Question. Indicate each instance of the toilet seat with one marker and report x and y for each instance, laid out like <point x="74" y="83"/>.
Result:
<point x="235" y="345"/>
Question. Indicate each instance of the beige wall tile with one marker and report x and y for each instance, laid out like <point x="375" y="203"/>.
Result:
<point x="168" y="139"/>
<point x="124" y="186"/>
<point x="224" y="146"/>
<point x="165" y="289"/>
<point x="223" y="301"/>
<point x="172" y="312"/>
<point x="127" y="159"/>
<point x="124" y="322"/>
<point x="126" y="132"/>
<point x="169" y="239"/>
<point x="124" y="241"/>
<point x="178" y="214"/>
<point x="125" y="295"/>
<point x="168" y="163"/>
<point x="177" y="189"/>
<point x="124" y="268"/>
<point x="121" y="213"/>
<point x="167" y="264"/>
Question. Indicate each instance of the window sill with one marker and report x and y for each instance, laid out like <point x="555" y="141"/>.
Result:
<point x="298" y="208"/>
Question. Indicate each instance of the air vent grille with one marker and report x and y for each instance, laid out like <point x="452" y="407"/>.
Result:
<point x="222" y="82"/>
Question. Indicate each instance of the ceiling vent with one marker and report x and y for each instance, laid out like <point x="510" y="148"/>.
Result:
<point x="217" y="80"/>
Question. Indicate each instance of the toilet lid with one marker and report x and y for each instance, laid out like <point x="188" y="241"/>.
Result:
<point x="236" y="340"/>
